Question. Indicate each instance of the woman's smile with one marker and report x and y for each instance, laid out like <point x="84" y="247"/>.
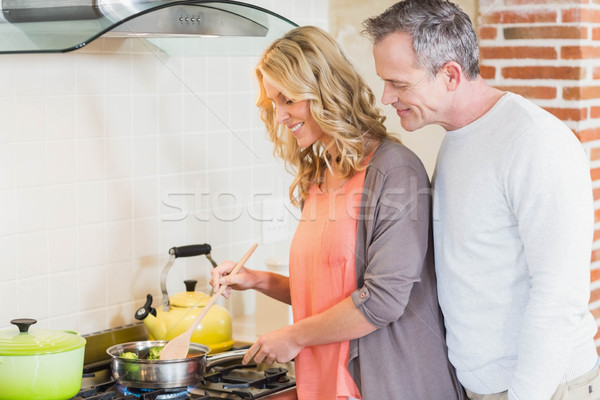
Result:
<point x="296" y="128"/>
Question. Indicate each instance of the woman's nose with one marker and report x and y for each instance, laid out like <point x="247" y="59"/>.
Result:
<point x="281" y="115"/>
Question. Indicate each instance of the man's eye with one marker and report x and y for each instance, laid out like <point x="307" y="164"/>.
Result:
<point x="399" y="86"/>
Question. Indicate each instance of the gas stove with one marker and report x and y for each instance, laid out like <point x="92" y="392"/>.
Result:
<point x="225" y="381"/>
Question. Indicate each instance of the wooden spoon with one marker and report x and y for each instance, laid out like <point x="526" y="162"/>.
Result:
<point x="179" y="346"/>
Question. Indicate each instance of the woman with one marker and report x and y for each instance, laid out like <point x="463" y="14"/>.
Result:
<point x="362" y="287"/>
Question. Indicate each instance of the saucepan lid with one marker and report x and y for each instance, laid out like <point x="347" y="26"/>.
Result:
<point x="23" y="342"/>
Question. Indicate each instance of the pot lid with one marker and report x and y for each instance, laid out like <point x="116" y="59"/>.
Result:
<point x="56" y="26"/>
<point x="190" y="298"/>
<point x="23" y="342"/>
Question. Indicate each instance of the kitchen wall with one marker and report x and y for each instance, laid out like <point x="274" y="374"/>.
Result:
<point x="114" y="153"/>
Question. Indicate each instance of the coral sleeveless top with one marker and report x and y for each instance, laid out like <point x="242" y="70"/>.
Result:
<point x="322" y="273"/>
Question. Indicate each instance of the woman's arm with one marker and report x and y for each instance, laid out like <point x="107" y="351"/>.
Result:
<point x="339" y="323"/>
<point x="271" y="284"/>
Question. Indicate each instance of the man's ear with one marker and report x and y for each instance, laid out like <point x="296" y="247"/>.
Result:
<point x="452" y="74"/>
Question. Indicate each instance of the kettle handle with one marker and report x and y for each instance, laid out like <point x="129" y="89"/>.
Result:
<point x="190" y="250"/>
<point x="174" y="253"/>
<point x="193" y="250"/>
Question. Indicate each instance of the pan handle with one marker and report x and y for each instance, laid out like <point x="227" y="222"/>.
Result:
<point x="224" y="357"/>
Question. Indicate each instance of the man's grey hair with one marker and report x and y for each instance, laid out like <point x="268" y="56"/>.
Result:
<point x="440" y="32"/>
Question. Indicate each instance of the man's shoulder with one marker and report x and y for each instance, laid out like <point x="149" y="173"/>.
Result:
<point x="525" y="110"/>
<point x="523" y="121"/>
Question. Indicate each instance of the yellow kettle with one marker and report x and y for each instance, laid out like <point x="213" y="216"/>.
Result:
<point x="178" y="312"/>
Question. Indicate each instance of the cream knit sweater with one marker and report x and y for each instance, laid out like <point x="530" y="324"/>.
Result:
<point x="513" y="227"/>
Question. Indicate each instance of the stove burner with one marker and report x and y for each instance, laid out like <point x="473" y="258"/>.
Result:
<point x="223" y="371"/>
<point x="280" y="372"/>
<point x="229" y="380"/>
<point x="118" y="392"/>
<point x="156" y="394"/>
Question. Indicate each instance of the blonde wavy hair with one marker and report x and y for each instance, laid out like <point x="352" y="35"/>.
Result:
<point x="308" y="64"/>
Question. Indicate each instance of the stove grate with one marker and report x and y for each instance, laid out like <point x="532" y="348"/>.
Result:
<point x="156" y="394"/>
<point x="104" y="392"/>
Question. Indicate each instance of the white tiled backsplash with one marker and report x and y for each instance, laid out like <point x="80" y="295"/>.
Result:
<point x="112" y="154"/>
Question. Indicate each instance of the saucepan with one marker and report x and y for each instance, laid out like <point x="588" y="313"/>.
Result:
<point x="39" y="364"/>
<point x="143" y="373"/>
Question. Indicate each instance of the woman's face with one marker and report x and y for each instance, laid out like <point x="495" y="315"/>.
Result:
<point x="295" y="115"/>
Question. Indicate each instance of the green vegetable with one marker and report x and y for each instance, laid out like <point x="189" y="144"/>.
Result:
<point x="129" y="355"/>
<point x="155" y="353"/>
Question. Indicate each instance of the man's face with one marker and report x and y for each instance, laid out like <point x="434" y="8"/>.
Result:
<point x="409" y="89"/>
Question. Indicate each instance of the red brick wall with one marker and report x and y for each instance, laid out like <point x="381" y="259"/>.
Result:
<point x="549" y="52"/>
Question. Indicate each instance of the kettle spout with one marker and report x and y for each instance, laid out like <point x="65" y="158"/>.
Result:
<point x="147" y="313"/>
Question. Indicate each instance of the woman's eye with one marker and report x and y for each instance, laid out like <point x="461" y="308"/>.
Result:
<point x="289" y="101"/>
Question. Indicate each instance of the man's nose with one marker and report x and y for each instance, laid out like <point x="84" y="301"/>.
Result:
<point x="388" y="96"/>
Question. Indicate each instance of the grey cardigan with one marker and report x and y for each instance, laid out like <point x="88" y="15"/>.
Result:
<point x="406" y="357"/>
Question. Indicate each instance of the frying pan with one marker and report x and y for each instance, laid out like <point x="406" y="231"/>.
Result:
<point x="164" y="374"/>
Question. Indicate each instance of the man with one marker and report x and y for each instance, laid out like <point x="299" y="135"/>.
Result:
<point x="513" y="212"/>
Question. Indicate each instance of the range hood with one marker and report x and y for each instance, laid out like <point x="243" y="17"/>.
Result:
<point x="52" y="26"/>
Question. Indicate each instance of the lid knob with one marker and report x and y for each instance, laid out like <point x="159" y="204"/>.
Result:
<point x="23" y="323"/>
<point x="190" y="285"/>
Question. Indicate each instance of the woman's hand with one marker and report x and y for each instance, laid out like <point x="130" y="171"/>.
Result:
<point x="243" y="280"/>
<point x="277" y="346"/>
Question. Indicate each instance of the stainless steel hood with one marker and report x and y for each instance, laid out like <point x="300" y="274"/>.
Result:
<point x="50" y="26"/>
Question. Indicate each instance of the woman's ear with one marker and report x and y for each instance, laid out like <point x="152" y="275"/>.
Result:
<point x="452" y="74"/>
